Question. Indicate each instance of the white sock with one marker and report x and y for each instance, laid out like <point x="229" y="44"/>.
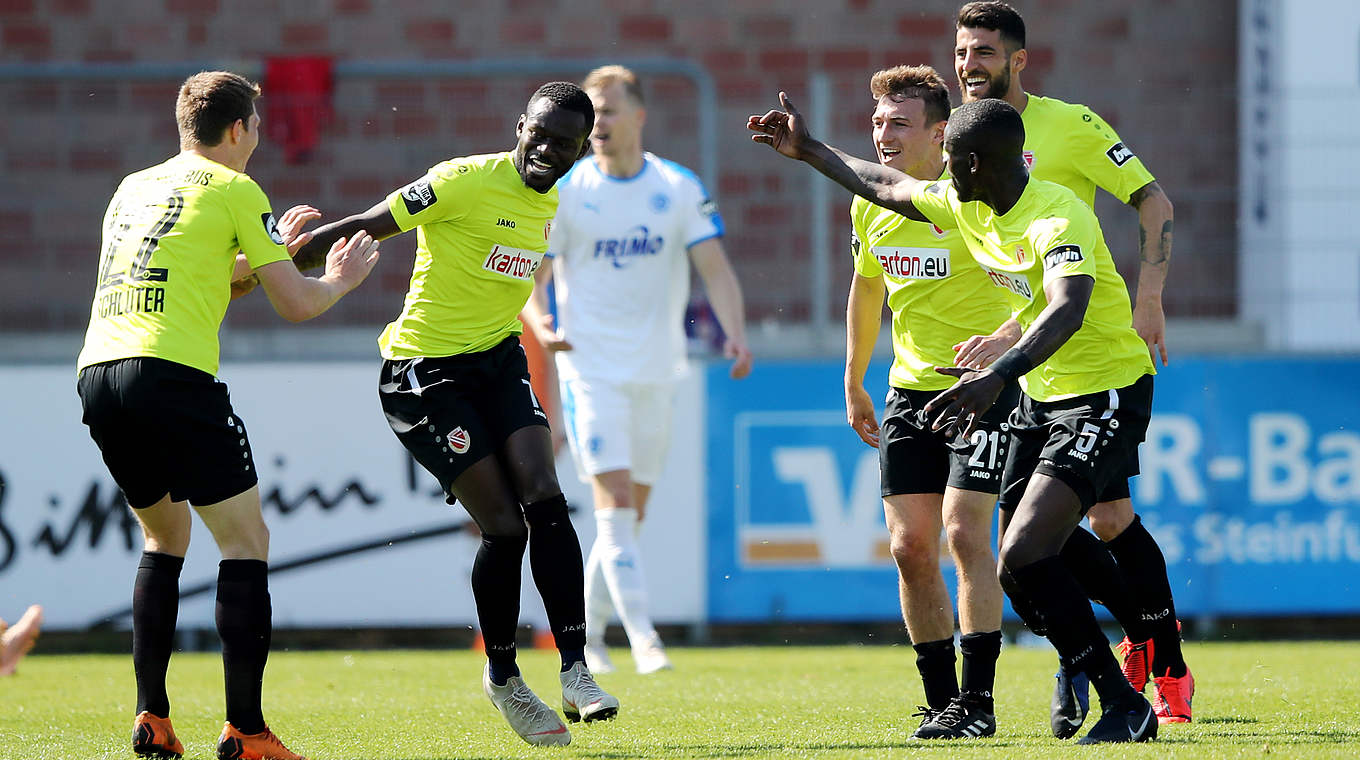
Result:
<point x="621" y="566"/>
<point x="599" y="606"/>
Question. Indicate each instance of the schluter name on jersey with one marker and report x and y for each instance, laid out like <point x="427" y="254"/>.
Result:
<point x="517" y="263"/>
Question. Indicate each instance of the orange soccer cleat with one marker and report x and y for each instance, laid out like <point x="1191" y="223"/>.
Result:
<point x="155" y="737"/>
<point x="234" y="745"/>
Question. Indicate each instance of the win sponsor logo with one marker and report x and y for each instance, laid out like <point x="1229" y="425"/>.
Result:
<point x="636" y="242"/>
<point x="913" y="263"/>
<point x="515" y="263"/>
<point x="1063" y="254"/>
<point x="1119" y="154"/>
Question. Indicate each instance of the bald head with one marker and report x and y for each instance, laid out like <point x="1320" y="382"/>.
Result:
<point x="990" y="128"/>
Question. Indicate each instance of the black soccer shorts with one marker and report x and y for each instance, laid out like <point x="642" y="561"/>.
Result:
<point x="1089" y="442"/>
<point x="164" y="427"/>
<point x="452" y="411"/>
<point x="914" y="459"/>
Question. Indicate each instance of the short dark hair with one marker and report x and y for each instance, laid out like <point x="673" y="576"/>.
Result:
<point x="997" y="17"/>
<point x="211" y="101"/>
<point x="906" y="82"/>
<point x="604" y="76"/>
<point x="569" y="96"/>
<point x="989" y="127"/>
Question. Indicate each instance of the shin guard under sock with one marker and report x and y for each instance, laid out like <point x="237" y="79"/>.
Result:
<point x="1144" y="569"/>
<point x="935" y="661"/>
<point x="1094" y="568"/>
<point x="155" y="608"/>
<point x="980" y="652"/>
<point x="555" y="560"/>
<point x="495" y="587"/>
<point x="244" y="621"/>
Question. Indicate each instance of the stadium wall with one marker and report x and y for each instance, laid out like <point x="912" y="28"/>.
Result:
<point x="1163" y="73"/>
<point x="768" y="511"/>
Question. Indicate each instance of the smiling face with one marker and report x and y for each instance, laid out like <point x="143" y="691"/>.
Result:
<point x="982" y="65"/>
<point x="551" y="138"/>
<point x="902" y="137"/>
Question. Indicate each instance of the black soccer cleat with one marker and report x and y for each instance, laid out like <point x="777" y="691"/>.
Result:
<point x="1126" y="720"/>
<point x="961" y="719"/>
<point x="1071" y="702"/>
<point x="927" y="715"/>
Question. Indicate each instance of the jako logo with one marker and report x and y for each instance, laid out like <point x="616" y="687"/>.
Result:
<point x="506" y="223"/>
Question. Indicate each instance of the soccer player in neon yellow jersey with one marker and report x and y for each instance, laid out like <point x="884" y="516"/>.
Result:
<point x="1086" y="373"/>
<point x="161" y="418"/>
<point x="938" y="298"/>
<point x="455" y="387"/>
<point x="1071" y="145"/>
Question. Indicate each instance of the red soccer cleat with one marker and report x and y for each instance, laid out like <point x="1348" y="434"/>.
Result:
<point x="1137" y="662"/>
<point x="1172" y="697"/>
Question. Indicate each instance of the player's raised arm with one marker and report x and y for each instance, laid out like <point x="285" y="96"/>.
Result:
<point x="297" y="298"/>
<point x="378" y="222"/>
<point x="786" y="132"/>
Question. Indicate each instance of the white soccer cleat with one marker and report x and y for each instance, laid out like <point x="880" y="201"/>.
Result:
<point x="533" y="720"/>
<point x="583" y="699"/>
<point x="651" y="656"/>
<point x="597" y="659"/>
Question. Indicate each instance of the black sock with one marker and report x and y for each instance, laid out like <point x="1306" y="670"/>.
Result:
<point x="1021" y="603"/>
<point x="935" y="661"/>
<point x="1093" y="566"/>
<point x="244" y="621"/>
<point x="495" y="587"/>
<point x="1144" y="568"/>
<point x="1072" y="627"/>
<point x="559" y="574"/>
<point x="980" y="652"/>
<point x="155" y="607"/>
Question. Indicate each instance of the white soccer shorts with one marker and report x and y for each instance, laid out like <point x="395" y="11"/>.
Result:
<point x="618" y="426"/>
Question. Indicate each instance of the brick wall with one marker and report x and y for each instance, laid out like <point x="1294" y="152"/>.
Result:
<point x="1162" y="72"/>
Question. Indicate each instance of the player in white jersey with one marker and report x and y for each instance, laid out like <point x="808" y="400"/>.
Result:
<point x="627" y="225"/>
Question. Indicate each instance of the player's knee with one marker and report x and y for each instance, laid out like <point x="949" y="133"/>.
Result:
<point x="249" y="541"/>
<point x="969" y="544"/>
<point x="915" y="554"/>
<point x="1109" y="520"/>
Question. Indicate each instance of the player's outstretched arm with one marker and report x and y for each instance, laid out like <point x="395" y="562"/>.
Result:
<point x="962" y="404"/>
<point x="297" y="298"/>
<point x="863" y="319"/>
<point x="538" y="316"/>
<point x="724" y="293"/>
<point x="1155" y="216"/>
<point x="377" y="222"/>
<point x="786" y="132"/>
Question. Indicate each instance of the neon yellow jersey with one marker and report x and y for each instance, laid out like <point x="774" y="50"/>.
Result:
<point x="938" y="295"/>
<point x="481" y="236"/>
<point x="171" y="234"/>
<point x="1048" y="234"/>
<point x="1069" y="144"/>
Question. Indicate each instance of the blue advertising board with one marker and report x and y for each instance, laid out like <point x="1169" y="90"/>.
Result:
<point x="1251" y="484"/>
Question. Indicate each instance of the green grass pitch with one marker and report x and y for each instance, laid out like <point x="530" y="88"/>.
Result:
<point x="1288" y="700"/>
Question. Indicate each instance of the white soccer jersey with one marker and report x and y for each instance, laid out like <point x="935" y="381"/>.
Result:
<point x="621" y="268"/>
